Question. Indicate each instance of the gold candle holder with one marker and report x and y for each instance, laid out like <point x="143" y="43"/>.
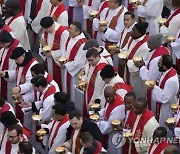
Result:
<point x="116" y="124"/>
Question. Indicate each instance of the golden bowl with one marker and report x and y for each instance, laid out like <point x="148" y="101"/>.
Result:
<point x="93" y="13"/>
<point x="162" y="21"/>
<point x="60" y="150"/>
<point x="95" y="106"/>
<point x="112" y="47"/>
<point x="137" y="58"/>
<point x="123" y="55"/>
<point x="16" y="97"/>
<point x="94" y="117"/>
<point x="103" y="23"/>
<point x="170" y="121"/>
<point x="41" y="132"/>
<point x="127" y="134"/>
<point x="116" y="124"/>
<point x="149" y="82"/>
<point x="46" y="48"/>
<point x="36" y="117"/>
<point x="82" y="85"/>
<point x="63" y="59"/>
<point x="171" y="38"/>
<point x="174" y="107"/>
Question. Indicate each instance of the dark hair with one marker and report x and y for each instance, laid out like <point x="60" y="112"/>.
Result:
<point x="25" y="147"/>
<point x="38" y="69"/>
<point x="142" y="100"/>
<point x="175" y="3"/>
<point x="131" y="94"/>
<point x="86" y="137"/>
<point x="39" y="81"/>
<point x="130" y="13"/>
<point x="61" y="97"/>
<point x="2" y="101"/>
<point x="16" y="127"/>
<point x="75" y="114"/>
<point x="162" y="131"/>
<point x="59" y="109"/>
<point x="167" y="61"/>
<point x="92" y="52"/>
<point x="77" y="25"/>
<point x="118" y="1"/>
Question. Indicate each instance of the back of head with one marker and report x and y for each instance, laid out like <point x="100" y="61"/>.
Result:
<point x="155" y="40"/>
<point x="46" y="22"/>
<point x="39" y="81"/>
<point x="5" y="37"/>
<point x="25" y="147"/>
<point x="90" y="44"/>
<point x="61" y="97"/>
<point x="167" y="61"/>
<point x="171" y="149"/>
<point x="77" y="25"/>
<point x="92" y="53"/>
<point x="107" y="72"/>
<point x="38" y="69"/>
<point x="17" y="52"/>
<point x="86" y="137"/>
<point x="59" y="109"/>
<point x="141" y="27"/>
<point x="75" y="114"/>
<point x="161" y="132"/>
<point x="8" y="118"/>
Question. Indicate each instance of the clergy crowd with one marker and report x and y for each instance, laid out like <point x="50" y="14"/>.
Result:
<point x="89" y="76"/>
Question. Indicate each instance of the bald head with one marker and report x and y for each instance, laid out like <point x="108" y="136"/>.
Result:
<point x="171" y="149"/>
<point x="109" y="94"/>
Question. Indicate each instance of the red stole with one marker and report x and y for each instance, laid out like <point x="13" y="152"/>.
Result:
<point x="64" y="120"/>
<point x="38" y="6"/>
<point x="89" y="22"/>
<point x="8" y="147"/>
<point x="158" y="52"/>
<point x="117" y="101"/>
<point x="49" y="78"/>
<point x="122" y="85"/>
<point x="146" y="116"/>
<point x="170" y="74"/>
<point x="61" y="8"/>
<point x="6" y="66"/>
<point x="22" y="4"/>
<point x="26" y="131"/>
<point x="98" y="149"/>
<point x="6" y="107"/>
<point x="56" y="46"/>
<point x="14" y="17"/>
<point x="77" y="144"/>
<point x="51" y="90"/>
<point x="72" y="55"/>
<point x="103" y="6"/>
<point x="159" y="148"/>
<point x="176" y="12"/>
<point x="126" y="39"/>
<point x="7" y="28"/>
<point x="178" y="123"/>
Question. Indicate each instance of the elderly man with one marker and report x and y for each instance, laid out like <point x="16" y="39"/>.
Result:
<point x="141" y="123"/>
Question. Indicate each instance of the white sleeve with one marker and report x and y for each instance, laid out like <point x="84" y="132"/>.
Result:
<point x="11" y="74"/>
<point x="63" y="19"/>
<point x="176" y="48"/>
<point x="166" y="94"/>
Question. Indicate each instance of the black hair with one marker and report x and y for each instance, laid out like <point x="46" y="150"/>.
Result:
<point x="131" y="94"/>
<point x="16" y="127"/>
<point x="25" y="147"/>
<point x="59" y="109"/>
<point x="39" y="81"/>
<point x="75" y="114"/>
<point x="167" y="61"/>
<point x="77" y="25"/>
<point x="61" y="97"/>
<point x="92" y="52"/>
<point x="38" y="69"/>
<point x="143" y="100"/>
<point x="130" y="13"/>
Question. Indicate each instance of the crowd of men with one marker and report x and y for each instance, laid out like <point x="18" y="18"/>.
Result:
<point x="122" y="56"/>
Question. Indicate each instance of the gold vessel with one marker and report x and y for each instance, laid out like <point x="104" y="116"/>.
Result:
<point x="123" y="55"/>
<point x="60" y="150"/>
<point x="95" y="106"/>
<point x="137" y="59"/>
<point x="174" y="107"/>
<point x="162" y="21"/>
<point x="16" y="98"/>
<point x="127" y="134"/>
<point x="47" y="49"/>
<point x="103" y="23"/>
<point x="171" y="38"/>
<point x="94" y="117"/>
<point x="112" y="47"/>
<point x="82" y="85"/>
<point x="63" y="59"/>
<point x="93" y="13"/>
<point x="170" y="121"/>
<point x="149" y="82"/>
<point x="116" y="124"/>
<point x="41" y="133"/>
<point x="36" y="117"/>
